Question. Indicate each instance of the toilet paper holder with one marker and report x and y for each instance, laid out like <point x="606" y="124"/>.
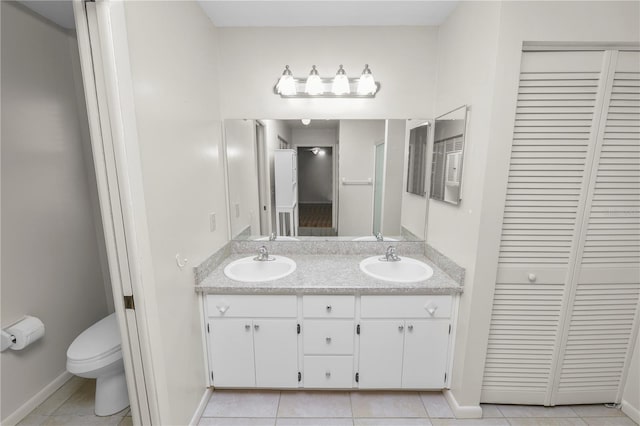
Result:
<point x="22" y="333"/>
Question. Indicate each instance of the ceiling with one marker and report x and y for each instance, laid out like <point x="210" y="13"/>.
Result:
<point x="304" y="13"/>
<point x="301" y="13"/>
<point x="315" y="124"/>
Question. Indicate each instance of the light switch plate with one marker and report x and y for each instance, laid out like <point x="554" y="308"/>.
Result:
<point x="212" y="222"/>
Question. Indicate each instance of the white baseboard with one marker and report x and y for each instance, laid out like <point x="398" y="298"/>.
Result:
<point x="462" y="411"/>
<point x="201" y="406"/>
<point x="631" y="411"/>
<point x="37" y="399"/>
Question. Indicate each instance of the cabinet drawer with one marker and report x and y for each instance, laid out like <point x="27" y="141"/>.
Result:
<point x="328" y="337"/>
<point x="328" y="371"/>
<point x="328" y="306"/>
<point x="277" y="306"/>
<point x="419" y="306"/>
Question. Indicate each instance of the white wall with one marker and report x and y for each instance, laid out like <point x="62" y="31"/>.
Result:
<point x="50" y="255"/>
<point x="473" y="40"/>
<point x="393" y="176"/>
<point x="355" y="163"/>
<point x="401" y="58"/>
<point x="174" y="69"/>
<point x="242" y="170"/>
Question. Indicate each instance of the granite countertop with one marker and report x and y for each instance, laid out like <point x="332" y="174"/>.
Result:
<point x="327" y="274"/>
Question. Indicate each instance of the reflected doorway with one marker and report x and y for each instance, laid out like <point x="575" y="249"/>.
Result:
<point x="316" y="191"/>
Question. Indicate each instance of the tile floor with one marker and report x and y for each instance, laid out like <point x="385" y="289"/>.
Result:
<point x="311" y="408"/>
<point x="72" y="405"/>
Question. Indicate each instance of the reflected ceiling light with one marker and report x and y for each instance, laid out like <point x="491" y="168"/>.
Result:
<point x="317" y="151"/>
<point x="314" y="83"/>
<point x="340" y="84"/>
<point x="286" y="84"/>
<point x="306" y="121"/>
<point x="366" y="83"/>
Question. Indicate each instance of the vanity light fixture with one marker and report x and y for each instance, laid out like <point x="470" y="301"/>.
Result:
<point x="339" y="86"/>
<point x="314" y="83"/>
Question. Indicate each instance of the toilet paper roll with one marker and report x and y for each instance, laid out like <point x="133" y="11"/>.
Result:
<point x="26" y="331"/>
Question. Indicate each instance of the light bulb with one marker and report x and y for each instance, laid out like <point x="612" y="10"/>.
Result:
<point x="340" y="83"/>
<point x="286" y="84"/>
<point x="314" y="83"/>
<point x="366" y="83"/>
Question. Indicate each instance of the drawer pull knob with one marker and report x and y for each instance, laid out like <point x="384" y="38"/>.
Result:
<point x="328" y="308"/>
<point x="256" y="327"/>
<point x="328" y="374"/>
<point x="400" y="327"/>
<point x="532" y="278"/>
<point x="431" y="308"/>
<point x="222" y="308"/>
<point x="410" y="328"/>
<point x="328" y="339"/>
<point x="247" y="327"/>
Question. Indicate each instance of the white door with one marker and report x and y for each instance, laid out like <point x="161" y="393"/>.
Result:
<point x="276" y="349"/>
<point x="381" y="345"/>
<point x="231" y="349"/>
<point x="425" y="354"/>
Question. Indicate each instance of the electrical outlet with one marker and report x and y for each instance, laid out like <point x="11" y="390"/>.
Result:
<point x="212" y="222"/>
<point x="237" y="209"/>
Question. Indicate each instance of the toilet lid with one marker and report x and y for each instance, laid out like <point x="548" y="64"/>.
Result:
<point x="101" y="339"/>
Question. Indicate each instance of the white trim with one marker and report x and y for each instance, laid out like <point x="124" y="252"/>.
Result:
<point x="462" y="411"/>
<point x="201" y="406"/>
<point x="37" y="399"/>
<point x="632" y="412"/>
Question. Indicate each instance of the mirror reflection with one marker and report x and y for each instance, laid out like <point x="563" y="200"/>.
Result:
<point x="301" y="179"/>
<point x="448" y="150"/>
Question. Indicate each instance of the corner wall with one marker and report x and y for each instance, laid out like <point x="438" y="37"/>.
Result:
<point x="173" y="50"/>
<point x="50" y="254"/>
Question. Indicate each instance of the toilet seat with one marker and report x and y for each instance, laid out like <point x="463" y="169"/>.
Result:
<point x="96" y="347"/>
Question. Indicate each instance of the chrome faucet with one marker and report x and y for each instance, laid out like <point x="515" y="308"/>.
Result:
<point x="378" y="236"/>
<point x="263" y="255"/>
<point x="390" y="255"/>
<point x="272" y="237"/>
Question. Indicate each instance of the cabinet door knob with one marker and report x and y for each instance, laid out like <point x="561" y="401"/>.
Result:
<point x="328" y="339"/>
<point x="247" y="327"/>
<point x="400" y="327"/>
<point x="328" y="308"/>
<point x="410" y="327"/>
<point x="532" y="278"/>
<point x="328" y="374"/>
<point x="256" y="327"/>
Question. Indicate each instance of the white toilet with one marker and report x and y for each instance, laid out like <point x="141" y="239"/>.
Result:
<point x="96" y="354"/>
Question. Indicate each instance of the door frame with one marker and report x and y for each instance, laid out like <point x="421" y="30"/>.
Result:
<point x="100" y="26"/>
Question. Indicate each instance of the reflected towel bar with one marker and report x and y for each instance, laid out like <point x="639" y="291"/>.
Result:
<point x="357" y="182"/>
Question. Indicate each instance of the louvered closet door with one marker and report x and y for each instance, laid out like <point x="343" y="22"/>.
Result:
<point x="553" y="144"/>
<point x="603" y="305"/>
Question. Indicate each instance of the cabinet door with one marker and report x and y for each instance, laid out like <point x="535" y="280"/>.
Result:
<point x="426" y="345"/>
<point x="381" y="343"/>
<point x="276" y="351"/>
<point x="231" y="349"/>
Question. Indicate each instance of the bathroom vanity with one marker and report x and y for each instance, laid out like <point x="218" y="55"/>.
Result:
<point x="328" y="325"/>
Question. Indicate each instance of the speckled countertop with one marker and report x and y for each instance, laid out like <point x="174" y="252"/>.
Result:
<point x="327" y="274"/>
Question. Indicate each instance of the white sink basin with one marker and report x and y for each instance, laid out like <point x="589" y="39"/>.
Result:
<point x="373" y="238"/>
<point x="249" y="270"/>
<point x="406" y="270"/>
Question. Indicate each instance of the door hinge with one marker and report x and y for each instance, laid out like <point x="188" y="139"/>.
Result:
<point x="449" y="328"/>
<point x="358" y="329"/>
<point x="445" y="378"/>
<point x="357" y="377"/>
<point x="212" y="377"/>
<point x="298" y="328"/>
<point x="128" y="302"/>
<point x="299" y="376"/>
<point x="208" y="330"/>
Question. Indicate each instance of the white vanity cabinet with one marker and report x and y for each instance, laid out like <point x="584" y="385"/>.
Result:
<point x="328" y="341"/>
<point x="404" y="342"/>
<point x="253" y="341"/>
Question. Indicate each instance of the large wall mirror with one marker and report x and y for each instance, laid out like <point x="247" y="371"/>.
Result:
<point x="448" y="153"/>
<point x="310" y="179"/>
